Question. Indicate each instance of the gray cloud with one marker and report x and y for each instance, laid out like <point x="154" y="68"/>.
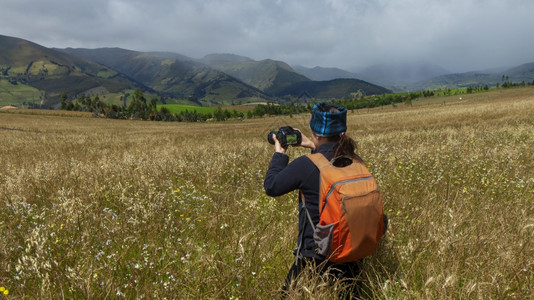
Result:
<point x="459" y="35"/>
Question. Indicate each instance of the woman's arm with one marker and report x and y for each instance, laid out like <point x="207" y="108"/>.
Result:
<point x="282" y="177"/>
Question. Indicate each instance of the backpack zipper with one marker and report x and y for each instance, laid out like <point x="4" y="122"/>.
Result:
<point x="341" y="182"/>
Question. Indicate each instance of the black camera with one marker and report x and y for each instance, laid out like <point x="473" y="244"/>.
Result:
<point x="286" y="136"/>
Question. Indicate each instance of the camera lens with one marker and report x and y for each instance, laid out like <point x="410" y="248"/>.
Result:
<point x="270" y="137"/>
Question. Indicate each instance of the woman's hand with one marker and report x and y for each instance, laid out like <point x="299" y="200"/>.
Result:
<point x="306" y="142"/>
<point x="277" y="146"/>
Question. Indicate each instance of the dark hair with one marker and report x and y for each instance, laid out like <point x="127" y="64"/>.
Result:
<point x="329" y="108"/>
<point x="345" y="146"/>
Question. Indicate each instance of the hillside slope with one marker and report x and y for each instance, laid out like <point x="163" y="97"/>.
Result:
<point x="321" y="73"/>
<point x="173" y="77"/>
<point x="54" y="72"/>
<point x="524" y="72"/>
<point x="267" y="75"/>
<point x="337" y="88"/>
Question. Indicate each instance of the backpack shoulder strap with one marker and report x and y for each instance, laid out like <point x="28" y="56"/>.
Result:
<point x="301" y="233"/>
<point x="319" y="160"/>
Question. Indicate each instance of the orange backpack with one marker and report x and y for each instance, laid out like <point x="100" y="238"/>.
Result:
<point x="351" y="219"/>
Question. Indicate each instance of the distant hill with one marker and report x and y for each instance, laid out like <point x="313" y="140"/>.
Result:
<point x="423" y="76"/>
<point x="524" y="72"/>
<point x="517" y="74"/>
<point x="459" y="80"/>
<point x="223" y="58"/>
<point x="267" y="75"/>
<point x="172" y="55"/>
<point x="320" y="73"/>
<point x="170" y="75"/>
<point x="399" y="75"/>
<point x="54" y="72"/>
<point x="280" y="80"/>
<point x="337" y="88"/>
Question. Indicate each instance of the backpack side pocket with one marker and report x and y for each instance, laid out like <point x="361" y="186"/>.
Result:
<point x="323" y="235"/>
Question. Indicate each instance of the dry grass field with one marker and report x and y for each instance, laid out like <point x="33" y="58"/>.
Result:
<point x="96" y="208"/>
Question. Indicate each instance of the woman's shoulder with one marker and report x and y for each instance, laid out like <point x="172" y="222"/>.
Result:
<point x="304" y="159"/>
<point x="302" y="163"/>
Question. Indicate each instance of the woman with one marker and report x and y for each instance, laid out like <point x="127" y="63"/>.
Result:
<point x="328" y="125"/>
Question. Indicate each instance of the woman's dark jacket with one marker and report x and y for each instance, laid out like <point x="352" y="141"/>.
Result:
<point x="301" y="174"/>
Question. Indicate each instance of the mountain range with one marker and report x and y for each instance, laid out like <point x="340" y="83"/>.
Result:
<point x="172" y="76"/>
<point x="214" y="79"/>
<point x="417" y="76"/>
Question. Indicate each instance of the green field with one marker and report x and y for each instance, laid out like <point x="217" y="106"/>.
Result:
<point x="179" y="108"/>
<point x="95" y="208"/>
<point x="115" y="98"/>
<point x="11" y="94"/>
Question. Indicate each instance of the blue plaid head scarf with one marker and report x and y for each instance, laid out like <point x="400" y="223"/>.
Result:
<point x="325" y="123"/>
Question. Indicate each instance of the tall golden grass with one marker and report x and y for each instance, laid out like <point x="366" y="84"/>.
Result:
<point x="96" y="208"/>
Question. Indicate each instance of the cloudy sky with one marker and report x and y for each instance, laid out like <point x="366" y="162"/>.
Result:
<point x="459" y="35"/>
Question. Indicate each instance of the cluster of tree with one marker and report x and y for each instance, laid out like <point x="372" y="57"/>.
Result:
<point x="83" y="104"/>
<point x="508" y="84"/>
<point x="278" y="109"/>
<point x="221" y="115"/>
<point x="185" y="116"/>
<point x="476" y="89"/>
<point x="140" y="108"/>
<point x="382" y="100"/>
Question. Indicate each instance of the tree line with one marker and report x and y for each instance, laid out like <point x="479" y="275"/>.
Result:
<point x="141" y="108"/>
<point x="361" y="101"/>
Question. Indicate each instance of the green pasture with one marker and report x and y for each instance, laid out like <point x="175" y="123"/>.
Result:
<point x="179" y="108"/>
<point x="11" y="94"/>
